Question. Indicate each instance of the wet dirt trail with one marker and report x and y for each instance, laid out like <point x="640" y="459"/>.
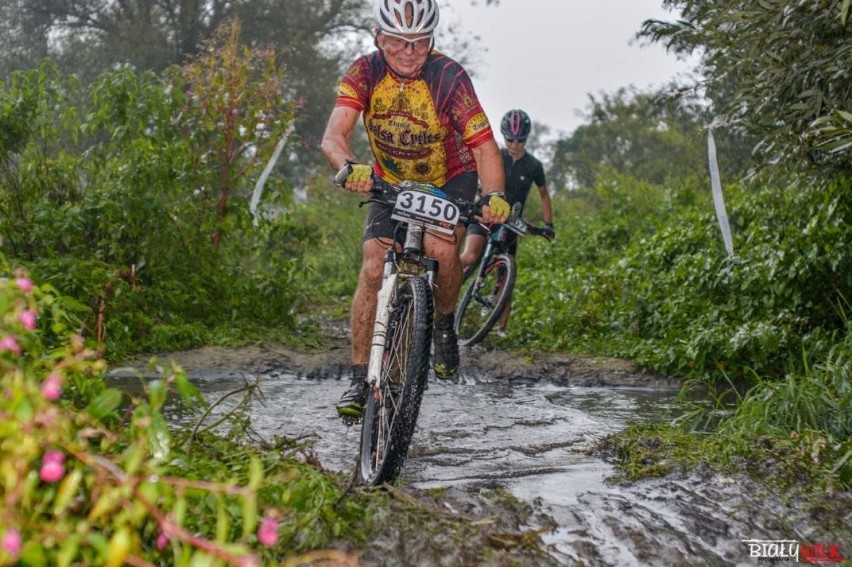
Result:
<point x="530" y="435"/>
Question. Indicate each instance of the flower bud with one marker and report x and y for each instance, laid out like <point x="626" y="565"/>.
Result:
<point x="51" y="388"/>
<point x="12" y="542"/>
<point x="52" y="468"/>
<point x="267" y="533"/>
<point x="9" y="343"/>
<point x="28" y="319"/>
<point x="25" y="284"/>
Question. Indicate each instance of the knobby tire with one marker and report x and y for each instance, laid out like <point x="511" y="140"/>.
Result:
<point x="481" y="306"/>
<point x="391" y="411"/>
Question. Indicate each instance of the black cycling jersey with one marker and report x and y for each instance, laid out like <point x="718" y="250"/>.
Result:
<point x="520" y="176"/>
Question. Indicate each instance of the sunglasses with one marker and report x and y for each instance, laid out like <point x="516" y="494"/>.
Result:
<point x="399" y="43"/>
<point x="516" y="140"/>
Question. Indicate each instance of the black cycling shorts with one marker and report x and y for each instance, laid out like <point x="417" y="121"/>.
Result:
<point x="380" y="225"/>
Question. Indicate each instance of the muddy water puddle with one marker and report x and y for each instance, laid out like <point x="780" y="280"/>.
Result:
<point x="529" y="437"/>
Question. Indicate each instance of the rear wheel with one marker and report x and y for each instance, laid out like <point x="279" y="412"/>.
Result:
<point x="483" y="300"/>
<point x="391" y="412"/>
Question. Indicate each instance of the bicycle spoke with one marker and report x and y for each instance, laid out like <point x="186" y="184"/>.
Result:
<point x="393" y="408"/>
<point x="482" y="303"/>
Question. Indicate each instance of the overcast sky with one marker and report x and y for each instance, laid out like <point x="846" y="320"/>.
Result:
<point x="545" y="56"/>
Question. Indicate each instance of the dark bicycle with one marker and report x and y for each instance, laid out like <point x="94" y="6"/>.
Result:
<point x="488" y="285"/>
<point x="402" y="334"/>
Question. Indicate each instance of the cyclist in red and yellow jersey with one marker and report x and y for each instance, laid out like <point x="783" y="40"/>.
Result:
<point x="425" y="124"/>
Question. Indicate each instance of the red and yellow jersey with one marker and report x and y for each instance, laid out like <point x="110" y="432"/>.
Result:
<point x="419" y="129"/>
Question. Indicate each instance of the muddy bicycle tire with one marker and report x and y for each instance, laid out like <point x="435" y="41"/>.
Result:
<point x="390" y="414"/>
<point x="481" y="305"/>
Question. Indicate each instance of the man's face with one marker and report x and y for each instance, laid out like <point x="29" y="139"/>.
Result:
<point x="405" y="53"/>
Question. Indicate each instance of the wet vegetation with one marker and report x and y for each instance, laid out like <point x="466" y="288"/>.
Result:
<point x="128" y="221"/>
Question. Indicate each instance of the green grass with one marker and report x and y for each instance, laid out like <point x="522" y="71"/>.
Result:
<point x="794" y="431"/>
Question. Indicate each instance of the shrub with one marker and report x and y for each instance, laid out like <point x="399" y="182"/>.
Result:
<point x="89" y="475"/>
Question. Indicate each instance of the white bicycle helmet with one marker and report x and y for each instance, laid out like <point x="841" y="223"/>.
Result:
<point x="407" y="16"/>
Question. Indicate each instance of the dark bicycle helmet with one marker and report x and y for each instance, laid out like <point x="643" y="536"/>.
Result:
<point x="516" y="126"/>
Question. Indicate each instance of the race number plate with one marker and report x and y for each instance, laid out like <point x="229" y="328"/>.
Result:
<point x="427" y="209"/>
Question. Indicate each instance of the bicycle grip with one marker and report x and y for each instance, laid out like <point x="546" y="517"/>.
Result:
<point x="538" y="231"/>
<point x="340" y="176"/>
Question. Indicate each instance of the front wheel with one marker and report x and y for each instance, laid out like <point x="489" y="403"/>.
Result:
<point x="483" y="300"/>
<point x="392" y="408"/>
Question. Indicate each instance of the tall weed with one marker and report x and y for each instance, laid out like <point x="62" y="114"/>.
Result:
<point x="128" y="196"/>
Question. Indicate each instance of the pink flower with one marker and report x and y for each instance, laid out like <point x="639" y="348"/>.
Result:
<point x="162" y="541"/>
<point x="9" y="343"/>
<point x="52" y="469"/>
<point x="28" y="319"/>
<point x="25" y="284"/>
<point x="51" y="388"/>
<point x="54" y="457"/>
<point x="267" y="533"/>
<point x="12" y="542"/>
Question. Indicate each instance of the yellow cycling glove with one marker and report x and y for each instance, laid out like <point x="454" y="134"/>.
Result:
<point x="352" y="172"/>
<point x="497" y="204"/>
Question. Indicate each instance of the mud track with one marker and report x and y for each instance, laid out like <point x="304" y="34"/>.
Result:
<point x="696" y="517"/>
<point x="566" y="370"/>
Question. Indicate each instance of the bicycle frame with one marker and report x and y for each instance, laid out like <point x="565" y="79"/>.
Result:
<point x="397" y="371"/>
<point x="490" y="291"/>
<point x="413" y="256"/>
<point x="501" y="236"/>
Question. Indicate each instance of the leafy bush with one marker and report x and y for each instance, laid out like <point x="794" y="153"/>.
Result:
<point x="779" y="69"/>
<point x="130" y="196"/>
<point x="88" y="476"/>
<point x="666" y="293"/>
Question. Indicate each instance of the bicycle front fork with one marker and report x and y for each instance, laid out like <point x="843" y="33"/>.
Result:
<point x="380" y="328"/>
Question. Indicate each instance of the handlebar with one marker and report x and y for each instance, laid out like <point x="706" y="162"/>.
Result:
<point x="519" y="226"/>
<point x="385" y="192"/>
<point x="539" y="231"/>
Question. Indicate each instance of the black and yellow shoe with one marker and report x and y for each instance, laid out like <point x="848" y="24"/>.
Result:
<point x="351" y="404"/>
<point x="445" y="359"/>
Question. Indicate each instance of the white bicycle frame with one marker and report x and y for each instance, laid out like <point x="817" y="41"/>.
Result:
<point x="380" y="329"/>
<point x="413" y="241"/>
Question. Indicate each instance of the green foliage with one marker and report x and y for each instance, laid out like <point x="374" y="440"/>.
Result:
<point x="807" y="462"/>
<point x="90" y="476"/>
<point x="570" y="292"/>
<point x="781" y="69"/>
<point x="234" y="112"/>
<point x="647" y="277"/>
<point x="702" y="312"/>
<point x="802" y="421"/>
<point x="152" y="35"/>
<point x="333" y="216"/>
<point x="651" y="136"/>
<point x="130" y="196"/>
<point x="813" y="408"/>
